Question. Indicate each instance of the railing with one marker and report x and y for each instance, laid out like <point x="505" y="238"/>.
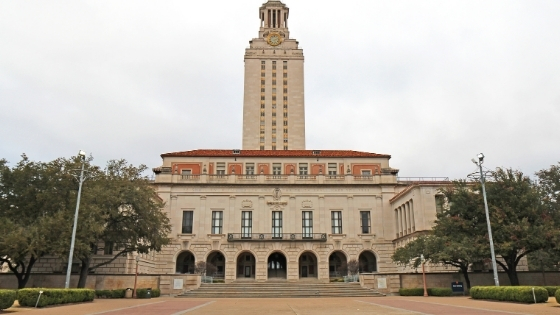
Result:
<point x="363" y="177"/>
<point x="274" y="237"/>
<point x="306" y="177"/>
<point x="414" y="180"/>
<point x="190" y="177"/>
<point x="334" y="177"/>
<point x="218" y="177"/>
<point x="276" y="177"/>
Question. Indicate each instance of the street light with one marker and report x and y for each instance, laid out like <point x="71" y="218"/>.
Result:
<point x="136" y="276"/>
<point x="424" y="274"/>
<point x="82" y="156"/>
<point x="494" y="267"/>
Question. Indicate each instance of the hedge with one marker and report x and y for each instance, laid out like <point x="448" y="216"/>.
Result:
<point x="557" y="296"/>
<point x="28" y="297"/>
<point x="522" y="294"/>
<point x="110" y="294"/>
<point x="431" y="292"/>
<point x="143" y="293"/>
<point x="551" y="290"/>
<point x="7" y="298"/>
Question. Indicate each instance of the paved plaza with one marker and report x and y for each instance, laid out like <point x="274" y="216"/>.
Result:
<point x="310" y="306"/>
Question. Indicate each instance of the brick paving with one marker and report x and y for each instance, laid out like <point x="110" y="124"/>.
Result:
<point x="297" y="306"/>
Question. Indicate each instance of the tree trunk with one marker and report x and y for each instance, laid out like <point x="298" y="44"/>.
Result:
<point x="23" y="276"/>
<point x="84" y="271"/>
<point x="465" y="271"/>
<point x="512" y="275"/>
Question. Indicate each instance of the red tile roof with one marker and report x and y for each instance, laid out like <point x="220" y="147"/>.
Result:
<point x="276" y="153"/>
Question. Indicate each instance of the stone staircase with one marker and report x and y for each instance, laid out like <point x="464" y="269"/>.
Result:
<point x="278" y="290"/>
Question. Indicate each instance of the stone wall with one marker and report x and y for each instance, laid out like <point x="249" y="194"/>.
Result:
<point x="444" y="280"/>
<point x="106" y="282"/>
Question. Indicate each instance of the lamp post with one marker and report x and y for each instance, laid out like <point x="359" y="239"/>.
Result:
<point x="494" y="267"/>
<point x="136" y="276"/>
<point x="82" y="156"/>
<point x="424" y="274"/>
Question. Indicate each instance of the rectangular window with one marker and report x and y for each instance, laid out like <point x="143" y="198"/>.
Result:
<point x="276" y="168"/>
<point x="217" y="219"/>
<point x="220" y="168"/>
<point x="246" y="224"/>
<point x="365" y="222"/>
<point x="285" y="75"/>
<point x="262" y="74"/>
<point x="336" y="219"/>
<point x="307" y="224"/>
<point x="277" y="224"/>
<point x="250" y="167"/>
<point x="440" y="200"/>
<point x="262" y="67"/>
<point x="187" y="222"/>
<point x="274" y="74"/>
<point x="285" y="65"/>
<point x="263" y="62"/>
<point x="332" y="168"/>
<point x="366" y="172"/>
<point x="108" y="249"/>
<point x="285" y="147"/>
<point x="302" y="168"/>
<point x="262" y="82"/>
<point x="186" y="172"/>
<point x="262" y="147"/>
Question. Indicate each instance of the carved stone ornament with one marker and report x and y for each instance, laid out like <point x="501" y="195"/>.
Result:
<point x="246" y="204"/>
<point x="307" y="204"/>
<point x="276" y="194"/>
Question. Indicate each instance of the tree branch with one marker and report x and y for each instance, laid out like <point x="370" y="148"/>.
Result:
<point x="121" y="253"/>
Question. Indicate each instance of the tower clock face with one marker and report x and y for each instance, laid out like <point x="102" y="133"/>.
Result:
<point x="274" y="39"/>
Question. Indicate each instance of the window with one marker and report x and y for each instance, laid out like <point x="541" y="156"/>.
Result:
<point x="262" y="67"/>
<point x="285" y="75"/>
<point x="277" y="224"/>
<point x="285" y="147"/>
<point x="186" y="172"/>
<point x="220" y="168"/>
<point x="285" y="98"/>
<point x="273" y="130"/>
<point x="262" y="147"/>
<point x="285" y="122"/>
<point x="262" y="90"/>
<point x="285" y="65"/>
<point x="262" y="82"/>
<point x="285" y="82"/>
<point x="366" y="172"/>
<point x="302" y="168"/>
<point x="332" y="168"/>
<point x="262" y="105"/>
<point x="273" y="147"/>
<point x="365" y="222"/>
<point x="274" y="62"/>
<point x="262" y="97"/>
<point x="285" y="90"/>
<point x="187" y="222"/>
<point x="250" y="167"/>
<point x="217" y="219"/>
<point x="274" y="74"/>
<point x="336" y="219"/>
<point x="263" y="62"/>
<point x="285" y="114"/>
<point x="262" y="74"/>
<point x="246" y="224"/>
<point x="274" y="83"/>
<point x="262" y="139"/>
<point x="307" y="224"/>
<point x="276" y="168"/>
<point x="108" y="249"/>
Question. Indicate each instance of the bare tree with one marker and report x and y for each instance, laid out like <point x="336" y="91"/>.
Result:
<point x="353" y="266"/>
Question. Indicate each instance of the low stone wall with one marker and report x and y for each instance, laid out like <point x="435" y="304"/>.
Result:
<point x="395" y="281"/>
<point x="107" y="282"/>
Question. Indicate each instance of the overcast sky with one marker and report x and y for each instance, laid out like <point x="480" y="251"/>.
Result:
<point x="432" y="83"/>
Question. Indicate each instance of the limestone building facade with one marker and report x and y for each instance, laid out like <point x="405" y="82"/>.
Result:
<point x="274" y="210"/>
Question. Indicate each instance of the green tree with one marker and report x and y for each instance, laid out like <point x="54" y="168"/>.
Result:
<point x="521" y="223"/>
<point x="33" y="199"/>
<point x="125" y="212"/>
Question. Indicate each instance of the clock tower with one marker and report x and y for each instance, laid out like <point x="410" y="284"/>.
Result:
<point x="273" y="104"/>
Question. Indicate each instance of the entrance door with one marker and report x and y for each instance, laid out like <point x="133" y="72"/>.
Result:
<point x="304" y="271"/>
<point x="247" y="271"/>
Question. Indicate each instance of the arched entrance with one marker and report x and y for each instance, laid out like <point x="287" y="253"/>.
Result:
<point x="185" y="263"/>
<point x="368" y="262"/>
<point x="277" y="266"/>
<point x="308" y="265"/>
<point x="246" y="265"/>
<point x="217" y="260"/>
<point x="337" y="265"/>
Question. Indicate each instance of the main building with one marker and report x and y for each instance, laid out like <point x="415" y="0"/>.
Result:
<point x="274" y="209"/>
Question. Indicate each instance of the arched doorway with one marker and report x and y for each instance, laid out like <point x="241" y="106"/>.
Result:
<point x="368" y="262"/>
<point x="218" y="261"/>
<point x="337" y="265"/>
<point x="277" y="266"/>
<point x="308" y="265"/>
<point x="246" y="265"/>
<point x="185" y="263"/>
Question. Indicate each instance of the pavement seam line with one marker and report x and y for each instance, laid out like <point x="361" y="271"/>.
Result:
<point x="474" y="308"/>
<point x="125" y="308"/>
<point x="292" y="309"/>
<point x="395" y="308"/>
<point x="194" y="308"/>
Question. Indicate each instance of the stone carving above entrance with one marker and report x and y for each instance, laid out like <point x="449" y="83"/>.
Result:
<point x="246" y="204"/>
<point x="277" y="202"/>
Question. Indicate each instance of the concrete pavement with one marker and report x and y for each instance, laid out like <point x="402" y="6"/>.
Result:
<point x="304" y="306"/>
